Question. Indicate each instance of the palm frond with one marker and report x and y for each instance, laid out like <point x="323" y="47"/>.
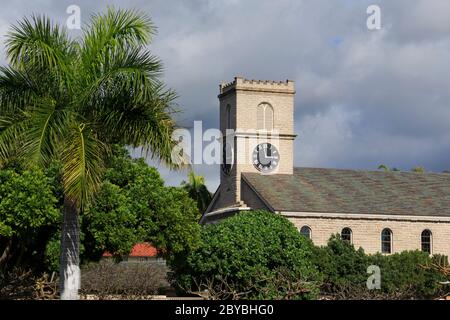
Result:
<point x="148" y="124"/>
<point x="39" y="43"/>
<point x="83" y="164"/>
<point x="197" y="190"/>
<point x="12" y="133"/>
<point x="115" y="29"/>
<point x="134" y="72"/>
<point x="43" y="140"/>
<point x="16" y="90"/>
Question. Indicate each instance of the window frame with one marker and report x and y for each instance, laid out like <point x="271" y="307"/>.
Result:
<point x="429" y="243"/>
<point x="383" y="242"/>
<point x="309" y="236"/>
<point x="350" y="240"/>
<point x="262" y="115"/>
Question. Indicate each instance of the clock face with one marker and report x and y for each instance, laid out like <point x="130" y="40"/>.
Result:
<point x="227" y="158"/>
<point x="266" y="157"/>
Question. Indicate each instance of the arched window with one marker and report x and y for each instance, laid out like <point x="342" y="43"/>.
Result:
<point x="228" y="117"/>
<point x="260" y="117"/>
<point x="264" y="117"/>
<point x="306" y="231"/>
<point x="386" y="241"/>
<point x="346" y="235"/>
<point x="426" y="241"/>
<point x="268" y="117"/>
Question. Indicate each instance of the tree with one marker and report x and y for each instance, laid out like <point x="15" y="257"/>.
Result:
<point x="197" y="190"/>
<point x="253" y="255"/>
<point x="404" y="275"/>
<point x="344" y="268"/>
<point x="71" y="100"/>
<point x="27" y="205"/>
<point x="133" y="205"/>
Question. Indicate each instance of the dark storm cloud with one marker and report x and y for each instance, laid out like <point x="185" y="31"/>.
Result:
<point x="363" y="97"/>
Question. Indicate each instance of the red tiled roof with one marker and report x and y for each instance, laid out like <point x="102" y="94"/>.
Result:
<point x="144" y="249"/>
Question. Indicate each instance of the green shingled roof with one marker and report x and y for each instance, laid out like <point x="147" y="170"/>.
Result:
<point x="353" y="191"/>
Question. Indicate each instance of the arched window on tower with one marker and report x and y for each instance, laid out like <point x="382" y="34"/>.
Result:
<point x="264" y="117"/>
<point x="260" y="117"/>
<point x="426" y="241"/>
<point x="228" y="117"/>
<point x="268" y="117"/>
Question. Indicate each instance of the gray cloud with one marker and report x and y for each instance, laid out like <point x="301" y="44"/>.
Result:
<point x="364" y="97"/>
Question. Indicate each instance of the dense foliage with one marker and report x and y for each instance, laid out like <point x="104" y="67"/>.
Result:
<point x="406" y="275"/>
<point x="197" y="190"/>
<point x="342" y="266"/>
<point x="26" y="202"/>
<point x="250" y="255"/>
<point x="133" y="205"/>
<point x="403" y="275"/>
<point x="262" y="255"/>
<point x="28" y="213"/>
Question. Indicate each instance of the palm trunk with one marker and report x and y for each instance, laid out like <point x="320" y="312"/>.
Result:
<point x="69" y="269"/>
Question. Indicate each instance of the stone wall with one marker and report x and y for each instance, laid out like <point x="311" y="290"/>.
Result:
<point x="366" y="232"/>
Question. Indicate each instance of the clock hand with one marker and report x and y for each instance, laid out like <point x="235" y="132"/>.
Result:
<point x="267" y="157"/>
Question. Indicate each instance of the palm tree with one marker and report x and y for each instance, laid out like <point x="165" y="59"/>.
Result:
<point x="73" y="99"/>
<point x="197" y="190"/>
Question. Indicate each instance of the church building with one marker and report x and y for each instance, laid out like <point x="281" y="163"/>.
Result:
<point x="380" y="211"/>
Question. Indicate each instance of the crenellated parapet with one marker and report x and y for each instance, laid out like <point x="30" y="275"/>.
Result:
<point x="243" y="84"/>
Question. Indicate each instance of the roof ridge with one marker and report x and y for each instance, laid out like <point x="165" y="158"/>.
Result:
<point x="371" y="170"/>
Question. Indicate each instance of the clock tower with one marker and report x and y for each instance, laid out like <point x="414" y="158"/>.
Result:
<point x="257" y="124"/>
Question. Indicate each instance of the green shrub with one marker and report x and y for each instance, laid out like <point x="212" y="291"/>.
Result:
<point x="343" y="268"/>
<point x="133" y="205"/>
<point x="27" y="202"/>
<point x="254" y="255"/>
<point x="28" y="215"/>
<point x="404" y="275"/>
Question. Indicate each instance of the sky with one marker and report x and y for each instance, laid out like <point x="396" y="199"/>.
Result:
<point x="364" y="97"/>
